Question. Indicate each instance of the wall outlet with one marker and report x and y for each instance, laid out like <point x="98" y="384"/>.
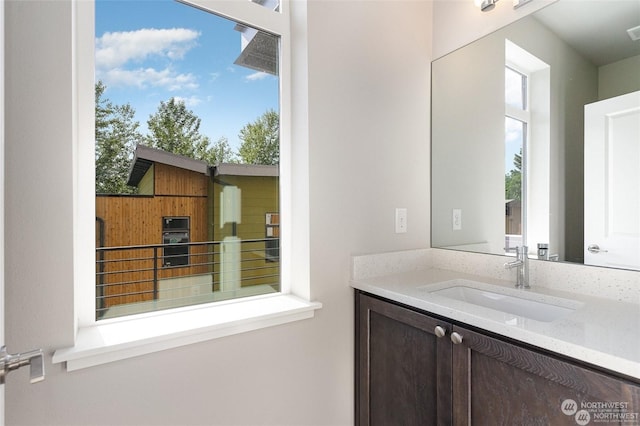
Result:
<point x="401" y="220"/>
<point x="456" y="219"/>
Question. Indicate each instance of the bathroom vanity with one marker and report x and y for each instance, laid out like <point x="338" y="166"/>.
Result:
<point x="430" y="350"/>
<point x="442" y="336"/>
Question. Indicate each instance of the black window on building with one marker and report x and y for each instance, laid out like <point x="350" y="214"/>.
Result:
<point x="175" y="235"/>
<point x="272" y="242"/>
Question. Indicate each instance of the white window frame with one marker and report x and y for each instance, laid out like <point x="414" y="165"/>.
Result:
<point x="536" y="152"/>
<point x="111" y="340"/>
<point x="520" y="114"/>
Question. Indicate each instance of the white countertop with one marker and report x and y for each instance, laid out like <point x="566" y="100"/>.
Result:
<point x="602" y="332"/>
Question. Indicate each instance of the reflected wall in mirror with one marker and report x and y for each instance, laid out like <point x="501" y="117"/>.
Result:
<point x="572" y="53"/>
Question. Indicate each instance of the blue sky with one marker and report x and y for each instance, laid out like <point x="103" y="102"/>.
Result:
<point x="514" y="131"/>
<point x="513" y="142"/>
<point x="151" y="50"/>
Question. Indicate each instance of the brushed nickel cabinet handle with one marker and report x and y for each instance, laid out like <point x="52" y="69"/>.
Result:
<point x="456" y="338"/>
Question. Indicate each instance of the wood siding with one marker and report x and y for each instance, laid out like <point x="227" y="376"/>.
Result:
<point x="137" y="220"/>
<point x="171" y="180"/>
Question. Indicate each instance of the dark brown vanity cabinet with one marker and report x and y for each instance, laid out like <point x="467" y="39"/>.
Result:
<point x="403" y="367"/>
<point x="410" y="372"/>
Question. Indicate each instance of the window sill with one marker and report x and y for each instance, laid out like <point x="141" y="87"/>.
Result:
<point x="121" y="339"/>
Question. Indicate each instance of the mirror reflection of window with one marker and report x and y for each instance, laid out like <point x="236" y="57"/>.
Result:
<point x="516" y="121"/>
<point x="526" y="153"/>
<point x="515" y="131"/>
<point x="515" y="88"/>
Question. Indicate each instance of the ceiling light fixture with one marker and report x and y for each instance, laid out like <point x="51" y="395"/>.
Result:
<point x="485" y="5"/>
<point x="634" y="33"/>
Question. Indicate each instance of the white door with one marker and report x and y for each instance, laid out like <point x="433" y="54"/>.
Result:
<point x="612" y="182"/>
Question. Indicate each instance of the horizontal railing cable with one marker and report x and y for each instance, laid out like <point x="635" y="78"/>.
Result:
<point x="143" y="278"/>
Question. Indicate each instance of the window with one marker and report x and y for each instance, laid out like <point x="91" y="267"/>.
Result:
<point x="100" y="342"/>
<point x="527" y="149"/>
<point x="187" y="136"/>
<point x="272" y="233"/>
<point x="516" y="124"/>
<point x="515" y="89"/>
<point x="175" y="239"/>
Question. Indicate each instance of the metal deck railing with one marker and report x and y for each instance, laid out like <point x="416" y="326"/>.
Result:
<point x="145" y="278"/>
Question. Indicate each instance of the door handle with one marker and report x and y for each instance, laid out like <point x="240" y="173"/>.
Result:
<point x="594" y="248"/>
<point x="34" y="359"/>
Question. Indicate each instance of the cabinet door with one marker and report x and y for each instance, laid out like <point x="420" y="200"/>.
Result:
<point x="498" y="383"/>
<point x="403" y="371"/>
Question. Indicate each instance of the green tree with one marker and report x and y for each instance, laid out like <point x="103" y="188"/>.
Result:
<point x="116" y="135"/>
<point x="260" y="140"/>
<point x="513" y="179"/>
<point x="220" y="152"/>
<point x="174" y="128"/>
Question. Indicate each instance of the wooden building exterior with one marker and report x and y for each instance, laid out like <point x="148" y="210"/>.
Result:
<point x="260" y="219"/>
<point x="164" y="244"/>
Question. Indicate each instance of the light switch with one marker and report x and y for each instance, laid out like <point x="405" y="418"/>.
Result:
<point x="456" y="219"/>
<point x="401" y="220"/>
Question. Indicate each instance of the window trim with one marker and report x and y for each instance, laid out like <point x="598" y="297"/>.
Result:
<point x="94" y="343"/>
<point x="127" y="337"/>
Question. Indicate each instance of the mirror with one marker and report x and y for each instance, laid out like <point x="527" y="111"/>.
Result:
<point x="574" y="53"/>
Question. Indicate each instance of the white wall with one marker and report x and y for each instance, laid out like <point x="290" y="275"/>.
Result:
<point x="468" y="168"/>
<point x="619" y="78"/>
<point x="368" y="141"/>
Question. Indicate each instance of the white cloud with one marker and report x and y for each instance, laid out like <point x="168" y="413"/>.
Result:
<point x="119" y="56"/>
<point x="190" y="101"/>
<point x="256" y="76"/>
<point x="115" y="49"/>
<point x="214" y="76"/>
<point x="149" y="77"/>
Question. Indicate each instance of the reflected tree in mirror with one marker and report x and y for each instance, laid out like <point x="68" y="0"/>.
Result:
<point x="513" y="179"/>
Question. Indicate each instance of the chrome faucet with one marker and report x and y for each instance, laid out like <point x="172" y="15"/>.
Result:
<point x="522" y="263"/>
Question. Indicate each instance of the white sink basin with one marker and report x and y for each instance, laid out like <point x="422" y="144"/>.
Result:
<point x="532" y="309"/>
